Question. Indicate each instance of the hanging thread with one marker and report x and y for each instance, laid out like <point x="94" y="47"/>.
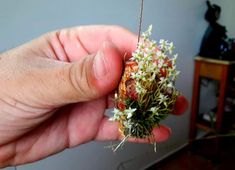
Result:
<point x="140" y="18"/>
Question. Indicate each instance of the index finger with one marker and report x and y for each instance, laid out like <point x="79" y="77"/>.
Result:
<point x="85" y="40"/>
<point x="181" y="105"/>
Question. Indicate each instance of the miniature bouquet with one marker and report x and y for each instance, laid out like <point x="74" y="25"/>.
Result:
<point x="146" y="93"/>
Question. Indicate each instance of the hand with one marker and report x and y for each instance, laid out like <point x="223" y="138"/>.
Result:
<point x="55" y="89"/>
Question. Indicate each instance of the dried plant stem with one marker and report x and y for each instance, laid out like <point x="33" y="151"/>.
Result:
<point x="121" y="143"/>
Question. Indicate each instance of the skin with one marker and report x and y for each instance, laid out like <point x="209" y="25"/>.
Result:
<point x="55" y="89"/>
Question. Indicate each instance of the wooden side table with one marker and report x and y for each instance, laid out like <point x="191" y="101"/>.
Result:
<point x="216" y="70"/>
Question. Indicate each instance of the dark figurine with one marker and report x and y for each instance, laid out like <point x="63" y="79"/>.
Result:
<point x="213" y="44"/>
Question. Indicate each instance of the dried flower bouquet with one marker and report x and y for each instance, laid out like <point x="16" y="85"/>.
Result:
<point x="146" y="93"/>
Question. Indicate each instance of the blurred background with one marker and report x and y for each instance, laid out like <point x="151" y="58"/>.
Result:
<point x="180" y="21"/>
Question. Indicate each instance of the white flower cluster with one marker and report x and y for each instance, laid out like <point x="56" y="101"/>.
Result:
<point x="152" y="58"/>
<point x="118" y="113"/>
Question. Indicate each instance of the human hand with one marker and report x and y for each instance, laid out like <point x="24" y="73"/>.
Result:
<point x="55" y="89"/>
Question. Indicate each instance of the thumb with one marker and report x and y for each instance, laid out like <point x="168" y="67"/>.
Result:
<point x="91" y="77"/>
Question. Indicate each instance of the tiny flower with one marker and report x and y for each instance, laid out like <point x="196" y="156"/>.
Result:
<point x="159" y="53"/>
<point x="162" y="99"/>
<point x="162" y="80"/>
<point x="117" y="114"/>
<point x="171" y="47"/>
<point x="170" y="85"/>
<point x="116" y="111"/>
<point x="163" y="44"/>
<point x="154" y="110"/>
<point x="129" y="112"/>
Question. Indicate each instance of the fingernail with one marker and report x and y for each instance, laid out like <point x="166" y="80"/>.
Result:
<point x="100" y="65"/>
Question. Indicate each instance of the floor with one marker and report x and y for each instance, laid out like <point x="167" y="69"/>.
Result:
<point x="205" y="154"/>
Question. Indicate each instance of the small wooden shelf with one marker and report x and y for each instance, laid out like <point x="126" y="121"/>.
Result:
<point x="206" y="126"/>
<point x="216" y="70"/>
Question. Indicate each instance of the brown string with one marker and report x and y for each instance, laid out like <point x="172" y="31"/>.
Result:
<point x="140" y="19"/>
